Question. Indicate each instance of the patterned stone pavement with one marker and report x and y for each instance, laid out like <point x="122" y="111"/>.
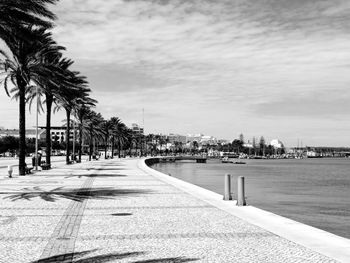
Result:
<point x="111" y="211"/>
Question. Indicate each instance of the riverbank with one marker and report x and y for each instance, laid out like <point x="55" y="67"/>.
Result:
<point x="123" y="211"/>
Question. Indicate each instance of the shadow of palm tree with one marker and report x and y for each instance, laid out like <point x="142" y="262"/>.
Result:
<point x="122" y="214"/>
<point x="95" y="175"/>
<point x="77" y="257"/>
<point x="75" y="194"/>
<point x="109" y="169"/>
<point x="167" y="260"/>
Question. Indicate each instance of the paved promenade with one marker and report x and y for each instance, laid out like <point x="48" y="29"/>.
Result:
<point x="119" y="211"/>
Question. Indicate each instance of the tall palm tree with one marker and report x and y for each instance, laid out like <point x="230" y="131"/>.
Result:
<point x="49" y="87"/>
<point x="19" y="14"/>
<point x="107" y="130"/>
<point x="70" y="94"/>
<point x="93" y="129"/>
<point x="21" y="68"/>
<point x="118" y="134"/>
<point x="82" y="113"/>
<point x="53" y="95"/>
<point x="123" y="136"/>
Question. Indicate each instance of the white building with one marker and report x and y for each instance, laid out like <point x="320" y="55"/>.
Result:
<point x="177" y="138"/>
<point x="277" y="144"/>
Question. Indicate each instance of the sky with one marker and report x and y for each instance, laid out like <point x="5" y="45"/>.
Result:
<point x="272" y="68"/>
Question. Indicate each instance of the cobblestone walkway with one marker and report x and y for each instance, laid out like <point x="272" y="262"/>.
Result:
<point x="111" y="211"/>
<point x="63" y="238"/>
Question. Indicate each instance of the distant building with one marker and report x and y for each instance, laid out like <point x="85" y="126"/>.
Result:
<point x="277" y="144"/>
<point x="177" y="138"/>
<point x="248" y="145"/>
<point x="58" y="133"/>
<point x="223" y="141"/>
<point x="136" y="128"/>
<point x="194" y="137"/>
<point x="30" y="133"/>
<point x="208" y="140"/>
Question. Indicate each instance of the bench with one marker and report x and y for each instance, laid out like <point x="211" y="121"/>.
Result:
<point x="28" y="170"/>
<point x="45" y="166"/>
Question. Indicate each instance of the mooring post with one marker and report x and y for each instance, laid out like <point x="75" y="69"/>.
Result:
<point x="227" y="194"/>
<point x="241" y="192"/>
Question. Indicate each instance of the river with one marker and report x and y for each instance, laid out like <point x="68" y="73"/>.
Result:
<point x="312" y="191"/>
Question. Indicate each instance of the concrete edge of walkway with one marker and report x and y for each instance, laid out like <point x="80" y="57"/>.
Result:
<point x="318" y="240"/>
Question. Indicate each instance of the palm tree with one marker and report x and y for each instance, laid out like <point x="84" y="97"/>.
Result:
<point x="21" y="68"/>
<point x="120" y="134"/>
<point x="82" y="114"/>
<point x="53" y="61"/>
<point x="53" y="95"/>
<point x="107" y="129"/>
<point x="123" y="135"/>
<point x="116" y="122"/>
<point x="70" y="95"/>
<point x="93" y="128"/>
<point x="16" y="16"/>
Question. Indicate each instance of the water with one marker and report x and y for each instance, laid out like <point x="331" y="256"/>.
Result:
<point x="312" y="191"/>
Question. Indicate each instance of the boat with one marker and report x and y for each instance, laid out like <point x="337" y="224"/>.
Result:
<point x="226" y="160"/>
<point x="230" y="160"/>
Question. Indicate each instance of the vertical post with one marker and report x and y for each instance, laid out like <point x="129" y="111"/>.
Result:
<point x="227" y="195"/>
<point x="36" y="130"/>
<point x="10" y="170"/>
<point x="241" y="192"/>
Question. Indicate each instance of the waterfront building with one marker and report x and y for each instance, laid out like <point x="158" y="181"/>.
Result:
<point x="136" y="129"/>
<point x="30" y="133"/>
<point x="172" y="138"/>
<point x="205" y="140"/>
<point x="58" y="133"/>
<point x="194" y="137"/>
<point x="277" y="144"/>
<point x="248" y="145"/>
<point x="223" y="141"/>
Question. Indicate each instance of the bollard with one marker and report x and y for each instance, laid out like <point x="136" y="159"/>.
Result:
<point x="10" y="170"/>
<point x="227" y="195"/>
<point x="240" y="192"/>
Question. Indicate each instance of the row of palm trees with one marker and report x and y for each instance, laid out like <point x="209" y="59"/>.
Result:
<point x="32" y="63"/>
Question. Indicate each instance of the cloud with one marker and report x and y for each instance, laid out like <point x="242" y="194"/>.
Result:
<point x="306" y="107"/>
<point x="194" y="62"/>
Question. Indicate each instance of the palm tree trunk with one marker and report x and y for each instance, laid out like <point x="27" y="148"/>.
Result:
<point x="130" y="147"/>
<point x="49" y="99"/>
<point x="22" y="125"/>
<point x="80" y="140"/>
<point x="112" y="147"/>
<point x="106" y="145"/>
<point x="67" y="136"/>
<point x="90" y="145"/>
<point x="119" y="148"/>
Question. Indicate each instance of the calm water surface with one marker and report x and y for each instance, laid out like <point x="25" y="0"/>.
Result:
<point x="312" y="191"/>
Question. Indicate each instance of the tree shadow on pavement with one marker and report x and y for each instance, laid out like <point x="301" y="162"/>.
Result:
<point x="122" y="214"/>
<point x="95" y="175"/>
<point x="77" y="257"/>
<point x="75" y="194"/>
<point x="107" y="169"/>
<point x="167" y="260"/>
